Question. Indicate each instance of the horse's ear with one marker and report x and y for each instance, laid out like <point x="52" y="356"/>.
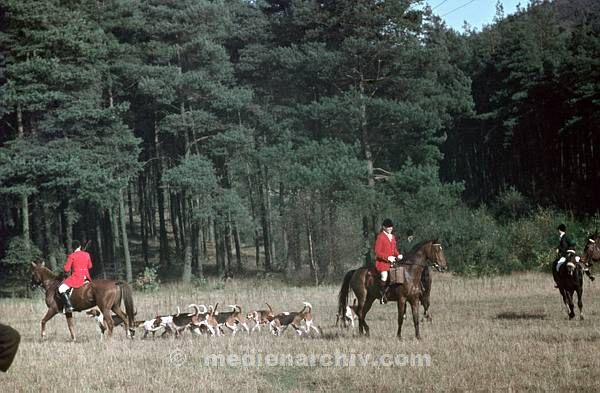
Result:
<point x="33" y="264"/>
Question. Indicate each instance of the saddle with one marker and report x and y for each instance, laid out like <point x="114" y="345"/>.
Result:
<point x="395" y="275"/>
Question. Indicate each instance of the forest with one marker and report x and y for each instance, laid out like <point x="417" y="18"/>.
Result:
<point x="180" y="139"/>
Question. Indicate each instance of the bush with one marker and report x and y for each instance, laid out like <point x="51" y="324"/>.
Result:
<point x="147" y="281"/>
<point x="19" y="255"/>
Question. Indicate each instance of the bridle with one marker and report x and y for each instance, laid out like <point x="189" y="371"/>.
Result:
<point x="424" y="264"/>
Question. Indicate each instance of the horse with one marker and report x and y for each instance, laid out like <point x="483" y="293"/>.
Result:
<point x="591" y="251"/>
<point x="106" y="294"/>
<point x="569" y="281"/>
<point x="365" y="285"/>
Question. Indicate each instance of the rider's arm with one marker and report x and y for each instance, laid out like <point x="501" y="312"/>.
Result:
<point x="68" y="264"/>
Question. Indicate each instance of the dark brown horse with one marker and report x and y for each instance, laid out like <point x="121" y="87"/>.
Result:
<point x="365" y="285"/>
<point x="106" y="294"/>
<point x="570" y="281"/>
<point x="591" y="251"/>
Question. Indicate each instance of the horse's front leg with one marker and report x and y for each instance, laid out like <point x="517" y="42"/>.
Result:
<point x="580" y="301"/>
<point x="49" y="314"/>
<point x="571" y="305"/>
<point x="414" y="305"/>
<point x="71" y="325"/>
<point x="563" y="293"/>
<point x="401" y="311"/>
<point x="425" y="302"/>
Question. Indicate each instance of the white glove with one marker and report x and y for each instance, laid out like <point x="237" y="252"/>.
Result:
<point x="392" y="258"/>
<point x="400" y="257"/>
<point x="577" y="259"/>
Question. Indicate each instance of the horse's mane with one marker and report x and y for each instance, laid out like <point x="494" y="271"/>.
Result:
<point x="48" y="272"/>
<point x="418" y="246"/>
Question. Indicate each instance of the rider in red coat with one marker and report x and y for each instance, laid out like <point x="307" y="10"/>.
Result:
<point x="79" y="262"/>
<point x="386" y="253"/>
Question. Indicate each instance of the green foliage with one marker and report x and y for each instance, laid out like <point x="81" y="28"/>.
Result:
<point x="199" y="282"/>
<point x="510" y="205"/>
<point x="19" y="255"/>
<point x="148" y="280"/>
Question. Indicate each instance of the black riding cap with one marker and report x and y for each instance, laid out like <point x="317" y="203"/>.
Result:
<point x="387" y="223"/>
<point x="562" y="227"/>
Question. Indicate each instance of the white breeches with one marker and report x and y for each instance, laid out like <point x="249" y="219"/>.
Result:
<point x="384" y="276"/>
<point x="63" y="288"/>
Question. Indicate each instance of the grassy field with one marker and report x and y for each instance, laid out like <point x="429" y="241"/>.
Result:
<point x="504" y="334"/>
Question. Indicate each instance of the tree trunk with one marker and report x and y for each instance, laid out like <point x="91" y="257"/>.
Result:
<point x="186" y="276"/>
<point x="123" y="221"/>
<point x="238" y="248"/>
<point x="142" y="212"/>
<point x="219" y="249"/>
<point x="228" y="247"/>
<point x="175" y="222"/>
<point x="311" y="254"/>
<point x="368" y="228"/>
<point x="265" y="214"/>
<point x="164" y="241"/>
<point x="25" y="220"/>
<point x="99" y="257"/>
<point x="50" y="240"/>
<point x="130" y="206"/>
<point x="200" y="246"/>
<point x="113" y="220"/>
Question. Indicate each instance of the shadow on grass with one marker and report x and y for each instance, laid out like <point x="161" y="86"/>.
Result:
<point x="514" y="315"/>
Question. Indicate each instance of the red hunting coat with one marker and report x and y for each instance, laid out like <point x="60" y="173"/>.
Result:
<point x="384" y="248"/>
<point x="80" y="263"/>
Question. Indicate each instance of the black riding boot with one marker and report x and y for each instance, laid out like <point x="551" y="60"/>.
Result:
<point x="67" y="300"/>
<point x="383" y="291"/>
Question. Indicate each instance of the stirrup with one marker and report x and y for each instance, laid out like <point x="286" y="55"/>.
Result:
<point x="382" y="295"/>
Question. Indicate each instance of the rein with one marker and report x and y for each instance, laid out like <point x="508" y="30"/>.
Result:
<point x="422" y="264"/>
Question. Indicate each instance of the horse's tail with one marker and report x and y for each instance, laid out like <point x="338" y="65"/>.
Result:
<point x="343" y="295"/>
<point x="127" y="296"/>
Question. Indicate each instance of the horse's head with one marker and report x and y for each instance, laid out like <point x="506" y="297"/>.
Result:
<point x="437" y="256"/>
<point x="572" y="262"/>
<point x="40" y="273"/>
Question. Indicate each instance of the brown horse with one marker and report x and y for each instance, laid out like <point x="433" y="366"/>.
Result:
<point x="106" y="294"/>
<point x="365" y="285"/>
<point x="591" y="251"/>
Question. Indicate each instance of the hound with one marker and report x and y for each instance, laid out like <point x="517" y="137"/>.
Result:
<point x="179" y="322"/>
<point x="100" y="324"/>
<point x="157" y="323"/>
<point x="349" y="316"/>
<point x="233" y="320"/>
<point x="261" y="317"/>
<point x="208" y="321"/>
<point x="198" y="316"/>
<point x="281" y="321"/>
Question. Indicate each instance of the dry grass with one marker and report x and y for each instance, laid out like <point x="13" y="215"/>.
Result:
<point x="488" y="335"/>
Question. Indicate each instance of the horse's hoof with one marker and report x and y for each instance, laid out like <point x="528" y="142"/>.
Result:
<point x="581" y="318"/>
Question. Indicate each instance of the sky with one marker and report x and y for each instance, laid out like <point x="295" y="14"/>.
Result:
<point x="476" y="12"/>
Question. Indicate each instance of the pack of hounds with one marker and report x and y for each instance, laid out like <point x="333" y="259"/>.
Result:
<point x="208" y="320"/>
